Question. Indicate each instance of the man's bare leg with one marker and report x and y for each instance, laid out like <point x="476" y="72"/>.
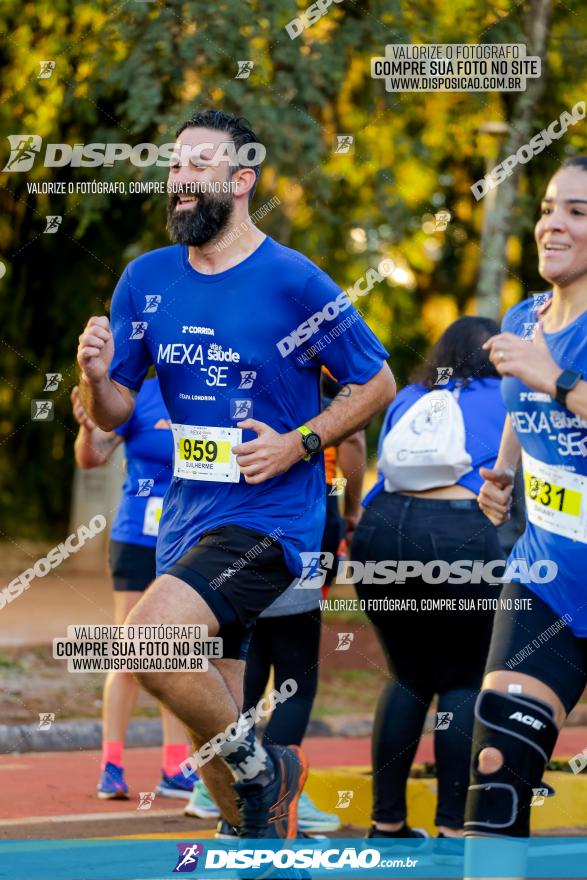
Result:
<point x="204" y="701"/>
<point x="215" y="773"/>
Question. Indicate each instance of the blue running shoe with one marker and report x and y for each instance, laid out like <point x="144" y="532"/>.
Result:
<point x="310" y="818"/>
<point x="225" y="831"/>
<point x="271" y="810"/>
<point x="112" y="785"/>
<point x="201" y="803"/>
<point x="178" y="786"/>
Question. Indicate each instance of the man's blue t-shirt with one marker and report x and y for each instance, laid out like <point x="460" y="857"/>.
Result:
<point x="214" y="342"/>
<point x="552" y="434"/>
<point x="148" y="444"/>
<point x="483" y="415"/>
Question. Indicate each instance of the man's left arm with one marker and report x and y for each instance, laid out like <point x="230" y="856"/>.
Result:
<point x="353" y="407"/>
<point x="271" y="453"/>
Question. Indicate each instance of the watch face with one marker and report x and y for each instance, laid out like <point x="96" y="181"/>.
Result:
<point x="312" y="442"/>
<point x="567" y="380"/>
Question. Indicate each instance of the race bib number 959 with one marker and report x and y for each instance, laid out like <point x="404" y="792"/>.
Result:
<point x="203" y="453"/>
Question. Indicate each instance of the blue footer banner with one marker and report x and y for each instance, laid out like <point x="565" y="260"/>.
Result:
<point x="553" y="857"/>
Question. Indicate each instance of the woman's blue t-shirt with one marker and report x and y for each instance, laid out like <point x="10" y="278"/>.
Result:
<point x="552" y="434"/>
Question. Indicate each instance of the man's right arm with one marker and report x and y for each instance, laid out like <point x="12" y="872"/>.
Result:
<point x="108" y="403"/>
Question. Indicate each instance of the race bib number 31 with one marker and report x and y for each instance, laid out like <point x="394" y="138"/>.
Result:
<point x="153" y="512"/>
<point x="555" y="499"/>
<point x="203" y="453"/>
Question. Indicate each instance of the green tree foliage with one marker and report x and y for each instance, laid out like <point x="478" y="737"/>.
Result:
<point x="132" y="71"/>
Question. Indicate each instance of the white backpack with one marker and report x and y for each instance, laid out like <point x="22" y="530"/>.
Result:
<point x="425" y="449"/>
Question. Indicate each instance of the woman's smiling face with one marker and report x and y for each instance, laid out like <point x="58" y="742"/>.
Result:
<point x="561" y="232"/>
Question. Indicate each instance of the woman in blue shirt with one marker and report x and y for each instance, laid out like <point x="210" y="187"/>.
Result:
<point x="537" y="666"/>
<point x="148" y="446"/>
<point x="431" y="647"/>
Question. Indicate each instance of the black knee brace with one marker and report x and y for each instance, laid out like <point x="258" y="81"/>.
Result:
<point x="522" y="728"/>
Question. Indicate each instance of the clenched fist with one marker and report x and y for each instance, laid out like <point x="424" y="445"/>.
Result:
<point x="495" y="497"/>
<point x="96" y="349"/>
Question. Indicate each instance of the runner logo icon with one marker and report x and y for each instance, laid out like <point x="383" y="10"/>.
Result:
<point x="152" y="301"/>
<point x="146" y="799"/>
<point x="247" y="379"/>
<point x="241" y="409"/>
<point x="23" y="151"/>
<point x="52" y="381"/>
<point x="138" y="329"/>
<point x="443" y="720"/>
<point x="187" y="859"/>
<point x="46" y="719"/>
<point x="344" y="799"/>
<point x="313" y="575"/>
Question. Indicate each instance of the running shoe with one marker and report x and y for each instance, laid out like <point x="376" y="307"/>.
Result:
<point x="407" y="838"/>
<point x="225" y="831"/>
<point x="112" y="785"/>
<point x="178" y="786"/>
<point x="271" y="810"/>
<point x="310" y="818"/>
<point x="201" y="803"/>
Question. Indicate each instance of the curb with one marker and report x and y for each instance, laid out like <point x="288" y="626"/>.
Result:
<point x="67" y="736"/>
<point x="567" y="809"/>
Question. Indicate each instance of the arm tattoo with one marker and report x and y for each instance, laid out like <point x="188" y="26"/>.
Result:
<point x="344" y="392"/>
<point x="105" y="445"/>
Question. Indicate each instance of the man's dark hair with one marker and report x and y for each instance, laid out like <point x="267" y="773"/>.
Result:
<point x="576" y="162"/>
<point x="236" y="126"/>
<point x="460" y="347"/>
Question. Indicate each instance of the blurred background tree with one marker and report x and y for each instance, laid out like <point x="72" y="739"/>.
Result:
<point x="131" y="72"/>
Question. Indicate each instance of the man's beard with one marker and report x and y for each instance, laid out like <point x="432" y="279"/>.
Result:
<point x="198" y="225"/>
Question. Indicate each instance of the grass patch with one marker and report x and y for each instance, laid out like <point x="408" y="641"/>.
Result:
<point x="7" y="662"/>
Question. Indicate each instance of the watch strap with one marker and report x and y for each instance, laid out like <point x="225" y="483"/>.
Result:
<point x="304" y="431"/>
<point x="565" y="383"/>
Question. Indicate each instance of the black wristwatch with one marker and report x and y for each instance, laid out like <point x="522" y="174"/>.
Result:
<point x="310" y="440"/>
<point x="565" y="383"/>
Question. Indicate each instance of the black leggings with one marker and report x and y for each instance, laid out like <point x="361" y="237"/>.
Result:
<point x="428" y="652"/>
<point x="291" y="645"/>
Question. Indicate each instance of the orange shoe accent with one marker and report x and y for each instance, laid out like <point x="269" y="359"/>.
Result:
<point x="292" y="829"/>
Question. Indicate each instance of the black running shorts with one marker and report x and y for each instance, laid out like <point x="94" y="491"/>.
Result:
<point x="238" y="573"/>
<point x="537" y="642"/>
<point x="132" y="566"/>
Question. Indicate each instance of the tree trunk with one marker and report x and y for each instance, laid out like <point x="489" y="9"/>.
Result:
<point x="498" y="211"/>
